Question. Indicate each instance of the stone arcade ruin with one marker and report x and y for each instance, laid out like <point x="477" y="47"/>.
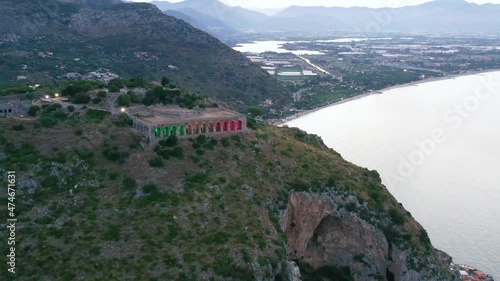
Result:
<point x="160" y="122"/>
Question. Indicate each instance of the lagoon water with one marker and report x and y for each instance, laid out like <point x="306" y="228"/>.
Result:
<point x="277" y="46"/>
<point x="271" y="46"/>
<point x="437" y="148"/>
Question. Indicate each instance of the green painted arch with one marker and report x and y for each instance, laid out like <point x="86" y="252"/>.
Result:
<point x="173" y="130"/>
<point x="180" y="130"/>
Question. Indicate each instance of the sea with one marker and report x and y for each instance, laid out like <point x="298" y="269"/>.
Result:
<point x="437" y="147"/>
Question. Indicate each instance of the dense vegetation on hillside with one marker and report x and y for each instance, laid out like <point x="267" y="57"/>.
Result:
<point x="130" y="40"/>
<point x="95" y="203"/>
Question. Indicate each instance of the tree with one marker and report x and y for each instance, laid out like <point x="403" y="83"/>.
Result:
<point x="33" y="110"/>
<point x="114" y="89"/>
<point x="81" y="98"/>
<point x="119" y="83"/>
<point x="101" y="94"/>
<point x="135" y="82"/>
<point x="148" y="100"/>
<point x="255" y="111"/>
<point x="133" y="97"/>
<point x="164" y="81"/>
<point x="124" y="100"/>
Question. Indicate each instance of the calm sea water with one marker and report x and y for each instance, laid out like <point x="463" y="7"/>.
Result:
<point x="437" y="148"/>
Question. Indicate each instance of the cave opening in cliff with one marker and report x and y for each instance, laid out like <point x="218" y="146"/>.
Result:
<point x="389" y="275"/>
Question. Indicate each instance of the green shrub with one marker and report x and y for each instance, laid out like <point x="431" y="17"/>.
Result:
<point x="236" y="138"/>
<point x="52" y="107"/>
<point x="81" y="98"/>
<point x="150" y="188"/>
<point x="97" y="100"/>
<point x="252" y="123"/>
<point x="96" y="116"/>
<point x="112" y="233"/>
<point x="48" y="121"/>
<point x="157" y="162"/>
<point x="189" y="257"/>
<point x="124" y="100"/>
<point x="123" y="121"/>
<point x="71" y="108"/>
<point x="201" y="139"/>
<point x="102" y="94"/>
<point x="33" y="110"/>
<point x="255" y="111"/>
<point x="129" y="183"/>
<point x="50" y="182"/>
<point x="225" y="142"/>
<point x="84" y="153"/>
<point x="117" y="82"/>
<point x="114" y="89"/>
<point x="114" y="155"/>
<point x="60" y="115"/>
<point x="397" y="217"/>
<point x="133" y="97"/>
<point x="177" y="153"/>
<point x="212" y="143"/>
<point x="78" y="132"/>
<point x="424" y="237"/>
<point x="18" y="127"/>
<point x="171" y="141"/>
<point x="113" y="176"/>
<point x="164" y="81"/>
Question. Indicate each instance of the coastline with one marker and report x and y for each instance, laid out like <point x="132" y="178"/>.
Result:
<point x="283" y="121"/>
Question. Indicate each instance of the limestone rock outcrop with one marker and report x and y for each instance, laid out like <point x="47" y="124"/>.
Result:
<point x="324" y="237"/>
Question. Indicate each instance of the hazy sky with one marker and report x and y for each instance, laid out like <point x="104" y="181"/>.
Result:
<point x="275" y="4"/>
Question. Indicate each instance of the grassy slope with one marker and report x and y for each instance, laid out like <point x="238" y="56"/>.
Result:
<point x="210" y="215"/>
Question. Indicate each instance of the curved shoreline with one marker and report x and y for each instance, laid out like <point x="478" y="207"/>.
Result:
<point x="382" y="91"/>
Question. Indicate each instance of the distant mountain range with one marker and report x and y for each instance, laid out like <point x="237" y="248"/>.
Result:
<point x="132" y="40"/>
<point x="451" y="16"/>
<point x="236" y="17"/>
<point x="204" y="22"/>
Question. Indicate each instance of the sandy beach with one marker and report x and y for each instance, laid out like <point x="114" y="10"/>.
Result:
<point x="379" y="92"/>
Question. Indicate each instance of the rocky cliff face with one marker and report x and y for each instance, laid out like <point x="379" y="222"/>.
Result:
<point x="323" y="237"/>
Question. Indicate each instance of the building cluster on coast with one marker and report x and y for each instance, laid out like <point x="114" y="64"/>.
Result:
<point x="469" y="273"/>
<point x="282" y="65"/>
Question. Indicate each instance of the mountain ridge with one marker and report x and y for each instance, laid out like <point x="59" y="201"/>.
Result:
<point x="83" y="39"/>
<point x="435" y="16"/>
